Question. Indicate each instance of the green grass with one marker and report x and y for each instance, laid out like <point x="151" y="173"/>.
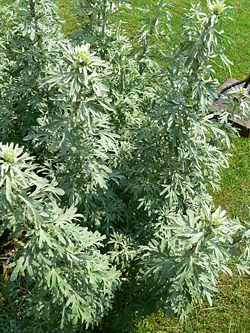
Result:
<point x="66" y="9"/>
<point x="228" y="314"/>
<point x="234" y="195"/>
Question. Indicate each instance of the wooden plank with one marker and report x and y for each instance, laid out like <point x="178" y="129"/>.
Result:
<point x="220" y="104"/>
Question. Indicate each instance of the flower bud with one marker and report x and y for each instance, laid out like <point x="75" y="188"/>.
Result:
<point x="83" y="55"/>
<point x="218" y="7"/>
<point x="9" y="155"/>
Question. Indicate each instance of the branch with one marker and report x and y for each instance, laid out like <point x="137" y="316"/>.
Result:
<point x="32" y="7"/>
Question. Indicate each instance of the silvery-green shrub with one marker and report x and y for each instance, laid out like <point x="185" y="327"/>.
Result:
<point x="126" y="141"/>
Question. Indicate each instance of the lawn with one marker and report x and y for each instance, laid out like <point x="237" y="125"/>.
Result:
<point x="230" y="312"/>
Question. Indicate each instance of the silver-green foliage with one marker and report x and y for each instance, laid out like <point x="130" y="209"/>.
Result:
<point x="27" y="43"/>
<point x="188" y="254"/>
<point x="133" y="144"/>
<point x="57" y="264"/>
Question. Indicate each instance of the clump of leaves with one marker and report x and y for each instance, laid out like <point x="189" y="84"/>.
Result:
<point x="58" y="273"/>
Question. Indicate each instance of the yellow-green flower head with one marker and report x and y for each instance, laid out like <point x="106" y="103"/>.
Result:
<point x="83" y="58"/>
<point x="12" y="154"/>
<point x="218" y="7"/>
<point x="83" y="54"/>
<point x="9" y="155"/>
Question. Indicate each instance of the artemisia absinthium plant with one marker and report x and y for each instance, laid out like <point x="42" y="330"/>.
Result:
<point x="125" y="146"/>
